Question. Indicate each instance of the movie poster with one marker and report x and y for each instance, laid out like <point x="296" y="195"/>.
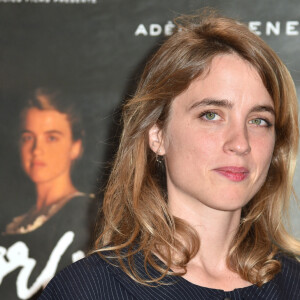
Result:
<point x="66" y="68"/>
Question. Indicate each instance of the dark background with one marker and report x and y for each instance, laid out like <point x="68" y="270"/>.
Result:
<point x="91" y="50"/>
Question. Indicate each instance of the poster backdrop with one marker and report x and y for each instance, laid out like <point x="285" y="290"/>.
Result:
<point x="89" y="54"/>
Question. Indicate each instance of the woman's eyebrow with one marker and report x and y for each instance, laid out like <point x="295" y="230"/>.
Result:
<point x="54" y="132"/>
<point x="262" y="108"/>
<point x="46" y="132"/>
<point x="227" y="104"/>
<point x="25" y="131"/>
<point x="213" y="102"/>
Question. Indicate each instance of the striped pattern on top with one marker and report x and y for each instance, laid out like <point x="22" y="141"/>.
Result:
<point x="94" y="279"/>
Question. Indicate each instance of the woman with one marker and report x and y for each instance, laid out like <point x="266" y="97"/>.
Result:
<point x="50" y="142"/>
<point x="59" y="223"/>
<point x="202" y="178"/>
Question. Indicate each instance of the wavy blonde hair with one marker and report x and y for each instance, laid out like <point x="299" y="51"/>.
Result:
<point x="135" y="207"/>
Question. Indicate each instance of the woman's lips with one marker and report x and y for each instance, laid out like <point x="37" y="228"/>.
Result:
<point x="38" y="164"/>
<point x="233" y="173"/>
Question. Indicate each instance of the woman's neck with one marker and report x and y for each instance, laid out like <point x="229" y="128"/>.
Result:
<point x="53" y="191"/>
<point x="216" y="230"/>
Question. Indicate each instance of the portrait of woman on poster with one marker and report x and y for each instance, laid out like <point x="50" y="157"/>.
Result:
<point x="199" y="190"/>
<point x="61" y="219"/>
<point x="50" y="142"/>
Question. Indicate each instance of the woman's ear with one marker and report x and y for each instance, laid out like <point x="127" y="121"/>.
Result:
<point x="156" y="140"/>
<point x="76" y="149"/>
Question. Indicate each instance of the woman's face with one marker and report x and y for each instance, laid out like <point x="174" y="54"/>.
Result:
<point x="220" y="137"/>
<point x="46" y="145"/>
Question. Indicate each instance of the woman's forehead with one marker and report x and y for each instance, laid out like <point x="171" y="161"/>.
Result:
<point x="230" y="79"/>
<point x="44" y="120"/>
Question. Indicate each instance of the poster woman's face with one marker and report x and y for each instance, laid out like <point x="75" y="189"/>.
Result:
<point x="46" y="146"/>
<point x="220" y="137"/>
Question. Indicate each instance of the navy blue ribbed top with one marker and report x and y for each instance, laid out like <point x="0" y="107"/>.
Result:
<point x="93" y="278"/>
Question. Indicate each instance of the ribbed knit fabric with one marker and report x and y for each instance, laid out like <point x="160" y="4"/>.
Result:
<point x="94" y="279"/>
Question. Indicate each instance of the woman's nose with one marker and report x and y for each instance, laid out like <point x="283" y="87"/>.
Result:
<point x="37" y="147"/>
<point x="237" y="141"/>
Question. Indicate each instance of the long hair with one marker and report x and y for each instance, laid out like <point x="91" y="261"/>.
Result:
<point x="135" y="206"/>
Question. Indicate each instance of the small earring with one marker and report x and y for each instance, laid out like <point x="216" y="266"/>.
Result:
<point x="159" y="158"/>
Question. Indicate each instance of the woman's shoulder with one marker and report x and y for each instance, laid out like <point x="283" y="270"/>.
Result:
<point x="92" y="264"/>
<point x="290" y="265"/>
<point x="288" y="280"/>
<point x="87" y="278"/>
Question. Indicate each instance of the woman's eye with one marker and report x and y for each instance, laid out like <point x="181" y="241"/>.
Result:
<point x="210" y="116"/>
<point x="260" y="122"/>
<point x="26" y="138"/>
<point x="52" y="138"/>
